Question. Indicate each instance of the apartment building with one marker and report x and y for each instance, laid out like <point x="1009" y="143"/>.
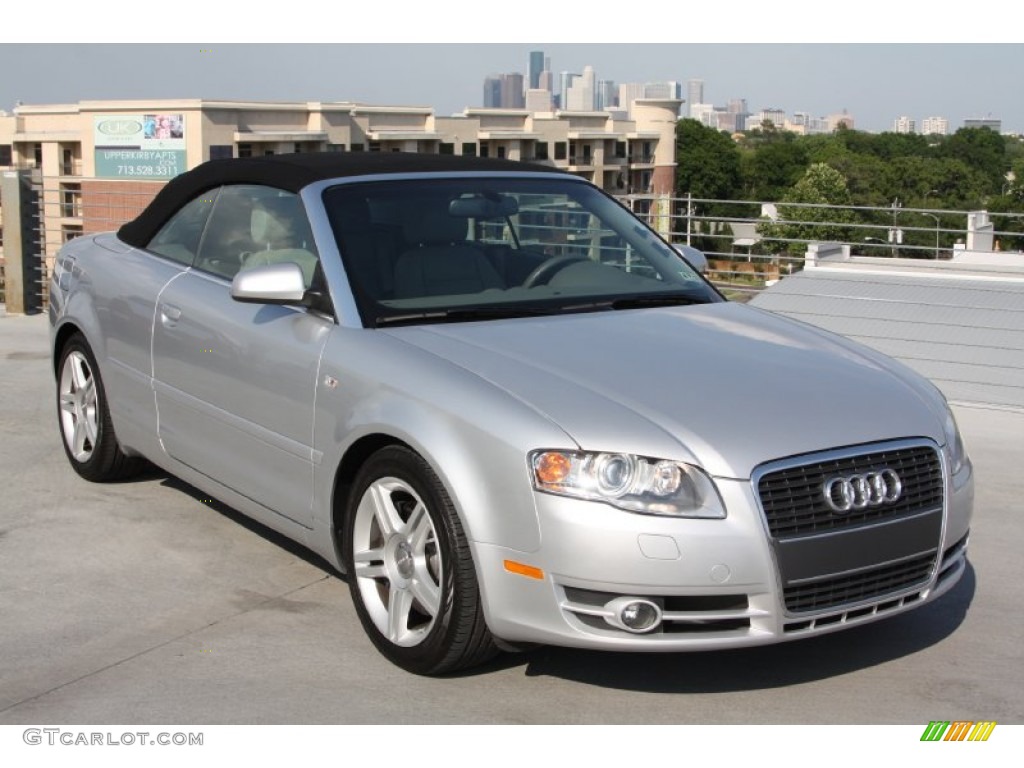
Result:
<point x="98" y="164"/>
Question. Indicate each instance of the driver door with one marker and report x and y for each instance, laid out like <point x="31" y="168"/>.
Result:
<point x="235" y="382"/>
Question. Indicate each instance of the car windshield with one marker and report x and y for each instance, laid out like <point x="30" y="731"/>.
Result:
<point x="453" y="249"/>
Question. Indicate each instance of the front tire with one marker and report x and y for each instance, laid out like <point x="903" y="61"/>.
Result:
<point x="410" y="569"/>
<point x="84" y="418"/>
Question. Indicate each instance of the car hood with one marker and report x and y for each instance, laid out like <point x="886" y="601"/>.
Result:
<point x="722" y="385"/>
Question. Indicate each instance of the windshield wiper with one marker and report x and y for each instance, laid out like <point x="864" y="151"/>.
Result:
<point x="464" y="315"/>
<point x="657" y="300"/>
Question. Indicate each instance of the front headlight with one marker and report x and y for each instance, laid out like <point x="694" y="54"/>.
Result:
<point x="954" y="443"/>
<point x="634" y="483"/>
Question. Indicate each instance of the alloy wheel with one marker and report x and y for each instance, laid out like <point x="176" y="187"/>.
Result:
<point x="397" y="561"/>
<point x="79" y="406"/>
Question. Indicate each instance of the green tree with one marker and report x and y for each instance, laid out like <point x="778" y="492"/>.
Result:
<point x="774" y="167"/>
<point x="708" y="167"/>
<point x="821" y="185"/>
<point x="708" y="162"/>
<point x="981" y="149"/>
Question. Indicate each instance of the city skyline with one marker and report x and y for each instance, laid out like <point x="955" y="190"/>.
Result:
<point x="874" y="82"/>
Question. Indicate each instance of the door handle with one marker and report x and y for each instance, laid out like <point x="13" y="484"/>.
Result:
<point x="170" y="313"/>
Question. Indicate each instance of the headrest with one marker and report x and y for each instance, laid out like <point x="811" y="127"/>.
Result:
<point x="430" y="223"/>
<point x="274" y="219"/>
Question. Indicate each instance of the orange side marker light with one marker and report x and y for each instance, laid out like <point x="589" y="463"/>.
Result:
<point x="523" y="570"/>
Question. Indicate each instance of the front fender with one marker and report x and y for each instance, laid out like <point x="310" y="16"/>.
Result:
<point x="475" y="436"/>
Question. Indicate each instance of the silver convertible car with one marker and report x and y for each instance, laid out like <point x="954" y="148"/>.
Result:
<point x="505" y="408"/>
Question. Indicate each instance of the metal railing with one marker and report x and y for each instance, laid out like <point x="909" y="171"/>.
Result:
<point x="750" y="244"/>
<point x="57" y="215"/>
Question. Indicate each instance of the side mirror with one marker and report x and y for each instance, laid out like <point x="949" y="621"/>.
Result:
<point x="270" y="284"/>
<point x="696" y="258"/>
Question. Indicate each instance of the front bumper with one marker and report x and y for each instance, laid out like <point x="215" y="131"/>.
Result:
<point x="716" y="582"/>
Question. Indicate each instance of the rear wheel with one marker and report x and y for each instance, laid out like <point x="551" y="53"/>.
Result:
<point x="84" y="419"/>
<point x="410" y="569"/>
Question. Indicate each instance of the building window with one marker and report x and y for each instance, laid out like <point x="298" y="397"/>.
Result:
<point x="68" y="165"/>
<point x="245" y="150"/>
<point x="445" y="148"/>
<point x="620" y="149"/>
<point x="69" y="232"/>
<point x="6" y="154"/>
<point x="357" y="147"/>
<point x="561" y="150"/>
<point x="501" y="153"/>
<point x="335" y="147"/>
<point x="70" y="200"/>
<point x="469" y="148"/>
<point x="37" y="155"/>
<point x="485" y="150"/>
<point x="268" y="152"/>
<point x="223" y="151"/>
<point x="540" y="150"/>
<point x="375" y="146"/>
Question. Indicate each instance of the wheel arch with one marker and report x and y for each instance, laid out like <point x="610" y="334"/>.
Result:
<point x="482" y="475"/>
<point x="60" y="338"/>
<point x="353" y="459"/>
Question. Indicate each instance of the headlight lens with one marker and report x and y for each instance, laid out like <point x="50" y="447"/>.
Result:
<point x="634" y="483"/>
<point x="954" y="443"/>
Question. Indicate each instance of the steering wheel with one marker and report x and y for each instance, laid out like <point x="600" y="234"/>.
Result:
<point x="548" y="268"/>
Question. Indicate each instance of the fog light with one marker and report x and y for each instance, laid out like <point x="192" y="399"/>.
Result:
<point x="633" y="614"/>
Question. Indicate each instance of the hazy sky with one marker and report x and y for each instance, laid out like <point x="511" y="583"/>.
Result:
<point x="875" y="82"/>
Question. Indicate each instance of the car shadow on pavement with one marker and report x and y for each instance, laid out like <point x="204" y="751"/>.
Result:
<point x="293" y="548"/>
<point x="770" y="666"/>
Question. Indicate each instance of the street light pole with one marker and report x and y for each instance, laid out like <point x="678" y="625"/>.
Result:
<point x="893" y="237"/>
<point x="689" y="215"/>
<point x="933" y="216"/>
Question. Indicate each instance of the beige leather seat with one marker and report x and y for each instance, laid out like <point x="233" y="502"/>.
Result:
<point x="441" y="261"/>
<point x="280" y="234"/>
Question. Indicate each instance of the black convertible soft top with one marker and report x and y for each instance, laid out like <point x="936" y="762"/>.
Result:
<point x="292" y="173"/>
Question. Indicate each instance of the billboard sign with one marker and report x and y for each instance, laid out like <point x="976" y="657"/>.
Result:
<point x="139" y="146"/>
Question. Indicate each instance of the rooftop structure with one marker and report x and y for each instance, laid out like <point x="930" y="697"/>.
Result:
<point x="958" y="323"/>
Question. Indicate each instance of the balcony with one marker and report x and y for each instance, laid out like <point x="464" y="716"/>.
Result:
<point x="71" y="168"/>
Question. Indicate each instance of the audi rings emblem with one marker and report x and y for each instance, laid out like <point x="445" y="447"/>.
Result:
<point x="857" y="492"/>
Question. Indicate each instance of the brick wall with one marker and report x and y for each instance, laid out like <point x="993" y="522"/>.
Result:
<point x="106" y="205"/>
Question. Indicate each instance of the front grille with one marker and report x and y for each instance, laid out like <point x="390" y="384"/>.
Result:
<point x="852" y="588"/>
<point x="794" y="502"/>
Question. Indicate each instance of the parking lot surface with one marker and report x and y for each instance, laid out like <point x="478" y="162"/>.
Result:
<point x="146" y="602"/>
